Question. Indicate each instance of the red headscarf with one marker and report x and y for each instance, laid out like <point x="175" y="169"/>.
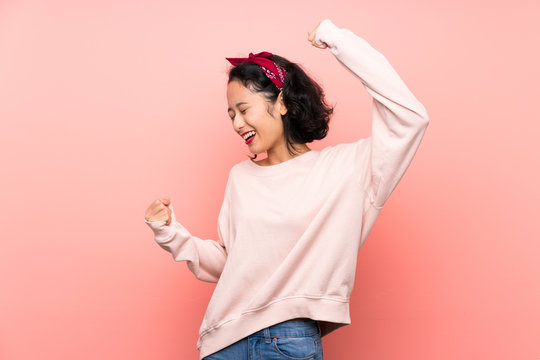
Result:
<point x="274" y="72"/>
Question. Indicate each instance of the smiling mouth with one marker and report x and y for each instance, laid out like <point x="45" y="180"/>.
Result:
<point x="249" y="140"/>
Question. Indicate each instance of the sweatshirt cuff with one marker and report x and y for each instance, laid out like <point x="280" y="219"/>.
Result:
<point x="161" y="231"/>
<point x="328" y="33"/>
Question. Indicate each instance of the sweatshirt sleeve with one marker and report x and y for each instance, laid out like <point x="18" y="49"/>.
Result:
<point x="399" y="120"/>
<point x="205" y="257"/>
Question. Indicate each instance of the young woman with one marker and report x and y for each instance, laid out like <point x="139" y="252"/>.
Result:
<point x="291" y="224"/>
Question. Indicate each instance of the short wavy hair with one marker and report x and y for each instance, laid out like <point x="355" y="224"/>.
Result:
<point x="307" y="115"/>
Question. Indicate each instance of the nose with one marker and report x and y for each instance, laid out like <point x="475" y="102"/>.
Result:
<point x="238" y="123"/>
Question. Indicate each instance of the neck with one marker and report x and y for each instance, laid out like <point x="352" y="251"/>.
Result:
<point x="276" y="156"/>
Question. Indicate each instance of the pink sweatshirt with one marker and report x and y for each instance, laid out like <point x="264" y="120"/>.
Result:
<point x="289" y="234"/>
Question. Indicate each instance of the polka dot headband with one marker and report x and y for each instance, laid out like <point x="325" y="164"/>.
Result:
<point x="272" y="70"/>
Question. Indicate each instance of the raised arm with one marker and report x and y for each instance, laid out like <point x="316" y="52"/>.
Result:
<point x="205" y="257"/>
<point x="399" y="120"/>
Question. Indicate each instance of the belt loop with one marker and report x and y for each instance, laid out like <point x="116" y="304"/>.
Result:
<point x="319" y="327"/>
<point x="267" y="335"/>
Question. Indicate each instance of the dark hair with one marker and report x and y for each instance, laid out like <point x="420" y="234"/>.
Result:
<point x="307" y="115"/>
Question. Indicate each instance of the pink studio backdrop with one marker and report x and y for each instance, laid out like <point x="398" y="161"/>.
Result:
<point x="105" y="106"/>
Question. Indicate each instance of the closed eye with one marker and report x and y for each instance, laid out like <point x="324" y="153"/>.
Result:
<point x="242" y="111"/>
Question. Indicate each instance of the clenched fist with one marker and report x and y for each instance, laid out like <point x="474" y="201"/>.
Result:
<point x="159" y="210"/>
<point x="311" y="38"/>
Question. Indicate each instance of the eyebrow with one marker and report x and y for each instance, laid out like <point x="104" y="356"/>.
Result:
<point x="238" y="104"/>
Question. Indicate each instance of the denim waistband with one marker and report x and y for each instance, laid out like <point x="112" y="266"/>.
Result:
<point x="292" y="327"/>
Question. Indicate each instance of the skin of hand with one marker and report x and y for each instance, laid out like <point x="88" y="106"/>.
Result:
<point x="159" y="210"/>
<point x="311" y="38"/>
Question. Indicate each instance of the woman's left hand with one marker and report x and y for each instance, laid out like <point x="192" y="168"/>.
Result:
<point x="311" y="38"/>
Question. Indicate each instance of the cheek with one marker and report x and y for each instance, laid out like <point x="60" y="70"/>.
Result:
<point x="277" y="126"/>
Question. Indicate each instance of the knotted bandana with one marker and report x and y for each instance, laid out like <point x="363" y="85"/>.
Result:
<point x="272" y="70"/>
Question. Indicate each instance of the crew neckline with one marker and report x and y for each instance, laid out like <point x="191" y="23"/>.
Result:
<point x="277" y="168"/>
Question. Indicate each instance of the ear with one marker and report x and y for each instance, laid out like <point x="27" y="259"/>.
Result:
<point x="282" y="107"/>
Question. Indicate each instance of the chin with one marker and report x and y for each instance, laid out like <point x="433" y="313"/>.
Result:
<point x="256" y="151"/>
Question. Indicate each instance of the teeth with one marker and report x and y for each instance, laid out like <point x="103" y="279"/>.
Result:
<point x="249" y="134"/>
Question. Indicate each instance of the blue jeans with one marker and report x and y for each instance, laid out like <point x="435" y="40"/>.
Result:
<point x="295" y="339"/>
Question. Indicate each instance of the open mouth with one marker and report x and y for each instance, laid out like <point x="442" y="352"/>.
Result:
<point x="249" y="137"/>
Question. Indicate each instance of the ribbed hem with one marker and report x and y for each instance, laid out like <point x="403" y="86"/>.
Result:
<point x="332" y="313"/>
<point x="161" y="231"/>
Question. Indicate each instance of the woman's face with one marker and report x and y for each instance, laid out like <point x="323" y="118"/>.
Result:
<point x="249" y="111"/>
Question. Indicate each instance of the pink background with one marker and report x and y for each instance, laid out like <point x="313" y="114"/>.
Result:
<point x="105" y="106"/>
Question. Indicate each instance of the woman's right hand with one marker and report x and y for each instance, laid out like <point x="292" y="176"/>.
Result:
<point x="159" y="211"/>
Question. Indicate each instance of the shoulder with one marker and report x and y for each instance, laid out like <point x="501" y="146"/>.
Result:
<point x="238" y="169"/>
<point x="346" y="150"/>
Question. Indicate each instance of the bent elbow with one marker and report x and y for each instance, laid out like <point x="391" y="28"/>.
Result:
<point x="426" y="120"/>
<point x="203" y="274"/>
<point x="421" y="122"/>
<point x="423" y="116"/>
